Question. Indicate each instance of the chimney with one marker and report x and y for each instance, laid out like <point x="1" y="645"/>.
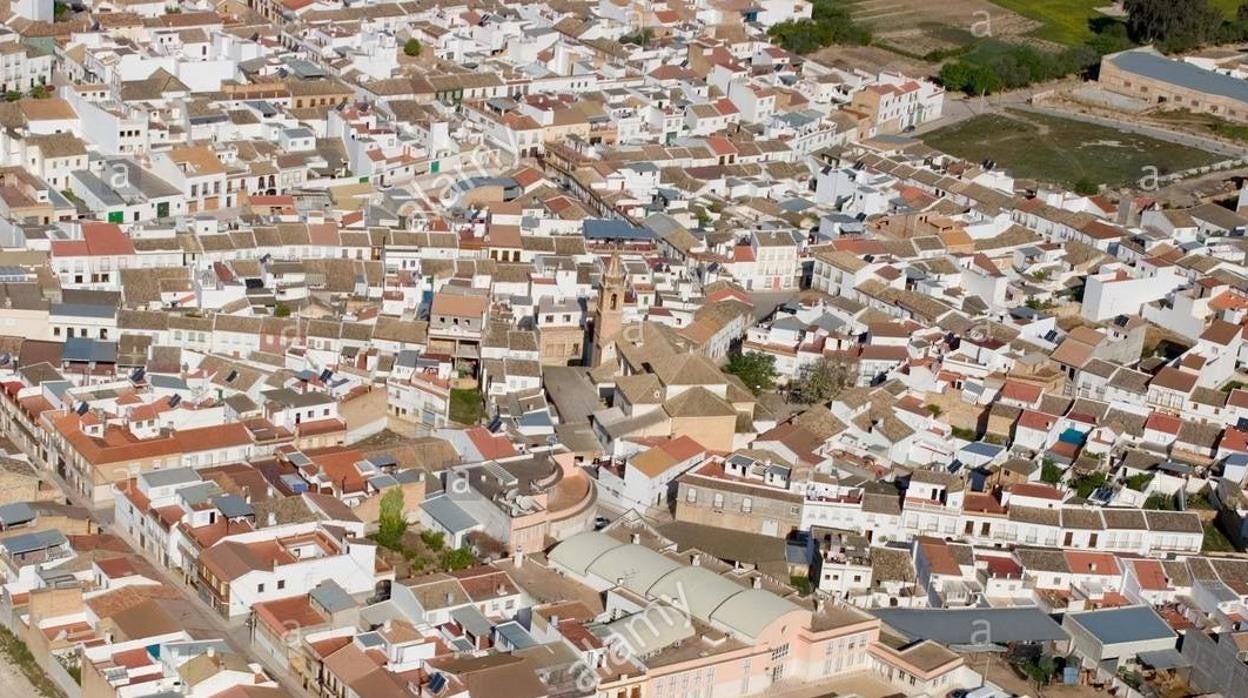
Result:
<point x="450" y="598"/>
<point x="636" y="539"/>
<point x="758" y="582"/>
<point x="696" y="560"/>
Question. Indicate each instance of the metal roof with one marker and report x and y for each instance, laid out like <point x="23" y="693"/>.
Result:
<point x="972" y="626"/>
<point x="1150" y="64"/>
<point x="16" y="513"/>
<point x="1115" y="626"/>
<point x="647" y="573"/>
<point x="86" y="349"/>
<point x="30" y="542"/>
<point x="448" y="514"/>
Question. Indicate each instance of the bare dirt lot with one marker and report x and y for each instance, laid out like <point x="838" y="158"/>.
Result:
<point x="13" y="683"/>
<point x="921" y="28"/>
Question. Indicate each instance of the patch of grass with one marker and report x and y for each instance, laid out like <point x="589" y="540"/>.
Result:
<point x="1139" y="481"/>
<point x="1206" y="123"/>
<point x="1215" y="540"/>
<point x="1063" y="21"/>
<point x="1198" y="502"/>
<point x="1160" y="501"/>
<point x="803" y="585"/>
<point x="1064" y="151"/>
<point x="1067" y="21"/>
<point x="19" y="655"/>
<point x="466" y="405"/>
<point x="964" y="433"/>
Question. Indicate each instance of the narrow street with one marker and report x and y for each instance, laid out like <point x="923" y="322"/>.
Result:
<point x="236" y="634"/>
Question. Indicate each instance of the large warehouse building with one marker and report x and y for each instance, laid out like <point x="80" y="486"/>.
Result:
<point x="1149" y="76"/>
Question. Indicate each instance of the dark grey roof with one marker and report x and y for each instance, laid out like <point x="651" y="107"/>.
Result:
<point x="607" y="229"/>
<point x="515" y="634"/>
<point x="1150" y="64"/>
<point x="233" y="506"/>
<point x="1164" y="659"/>
<point x="86" y="349"/>
<point x="16" y="513"/>
<point x="972" y="626"/>
<point x="448" y="514"/>
<point x="1114" y="626"/>
<point x="171" y="476"/>
<point x="331" y="597"/>
<point x="30" y="542"/>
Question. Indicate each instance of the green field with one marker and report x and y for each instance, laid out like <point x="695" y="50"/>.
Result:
<point x="1063" y="151"/>
<point x="1066" y="21"/>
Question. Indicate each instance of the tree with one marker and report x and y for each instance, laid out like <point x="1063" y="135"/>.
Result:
<point x="40" y="92"/>
<point x="824" y="379"/>
<point x="1085" y="485"/>
<point x="829" y="24"/>
<point x="1086" y="187"/>
<point x="281" y="310"/>
<point x="641" y="37"/>
<point x="391" y="521"/>
<point x="757" y="371"/>
<point x="411" y="47"/>
<point x="1041" y="671"/>
<point x="1050" y="473"/>
<point x="12" y="96"/>
<point x="1175" y="25"/>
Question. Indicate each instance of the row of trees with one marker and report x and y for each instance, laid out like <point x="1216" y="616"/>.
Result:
<point x="829" y="24"/>
<point x="818" y="382"/>
<point x="1172" y="25"/>
<point x="994" y="66"/>
<point x="1181" y="25"/>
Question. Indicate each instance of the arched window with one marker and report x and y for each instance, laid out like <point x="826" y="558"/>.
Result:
<point x="614" y="301"/>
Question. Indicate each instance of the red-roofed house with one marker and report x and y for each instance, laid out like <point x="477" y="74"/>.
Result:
<point x="95" y="259"/>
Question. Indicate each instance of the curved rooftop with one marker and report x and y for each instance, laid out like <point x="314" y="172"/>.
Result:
<point x="709" y="597"/>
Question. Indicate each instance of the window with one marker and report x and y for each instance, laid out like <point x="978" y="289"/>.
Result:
<point x="691" y="495"/>
<point x="747" y="505"/>
<point x="281" y="584"/>
<point x="719" y="500"/>
<point x="259" y="588"/>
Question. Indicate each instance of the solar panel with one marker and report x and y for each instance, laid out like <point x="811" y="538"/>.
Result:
<point x="326" y="375"/>
<point x="437" y="682"/>
<point x="174" y="400"/>
<point x="138" y="374"/>
<point x="82" y="408"/>
<point x="232" y="375"/>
